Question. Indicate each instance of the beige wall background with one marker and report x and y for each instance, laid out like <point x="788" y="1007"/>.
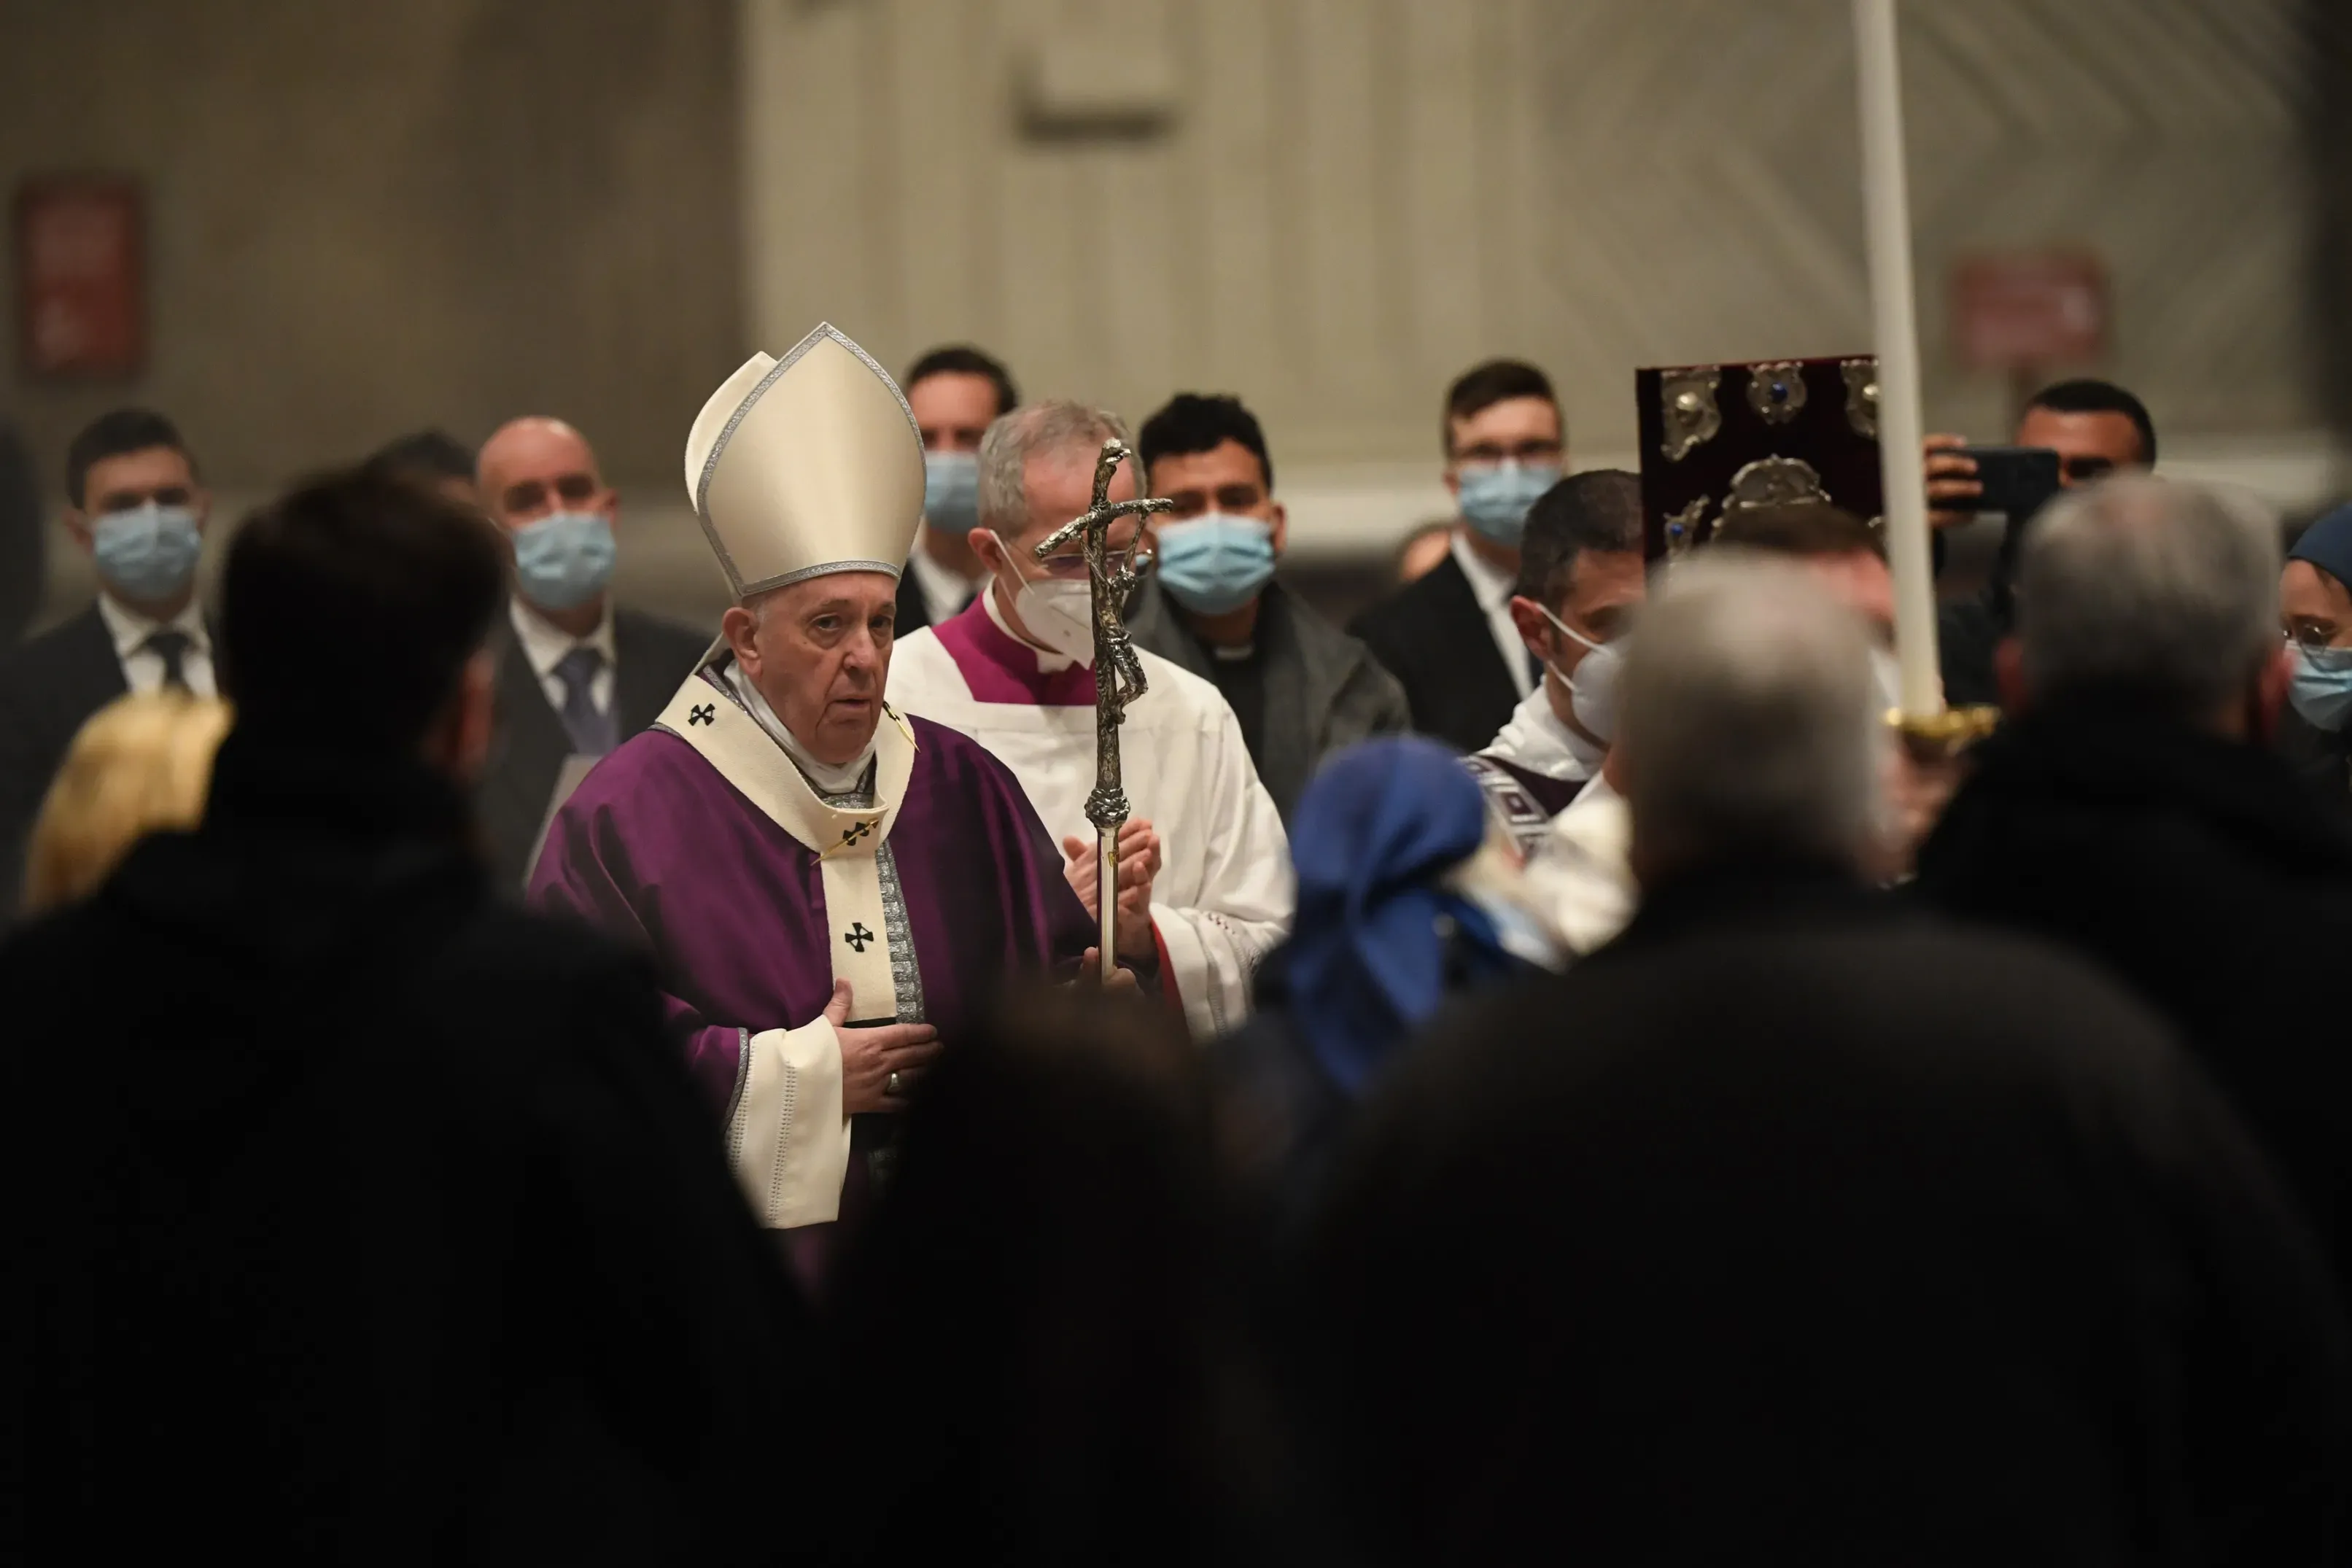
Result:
<point x="367" y="217"/>
<point x="1349" y="201"/>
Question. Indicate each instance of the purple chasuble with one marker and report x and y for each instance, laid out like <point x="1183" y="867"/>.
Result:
<point x="658" y="848"/>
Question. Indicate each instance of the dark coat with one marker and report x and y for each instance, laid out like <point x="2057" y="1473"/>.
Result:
<point x="361" y="1218"/>
<point x="2201" y="873"/>
<point x="1780" y="1231"/>
<point x="48" y="688"/>
<point x="1967" y="632"/>
<point x="914" y="614"/>
<point x="1969" y="629"/>
<point x="2322" y="760"/>
<point x="651" y="660"/>
<point x="23" y="574"/>
<point x="1324" y="690"/>
<point x="1432" y="636"/>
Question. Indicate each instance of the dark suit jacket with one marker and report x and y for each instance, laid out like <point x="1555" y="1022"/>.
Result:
<point x="912" y="614"/>
<point x="651" y="658"/>
<point x="1432" y="636"/>
<point x="47" y="688"/>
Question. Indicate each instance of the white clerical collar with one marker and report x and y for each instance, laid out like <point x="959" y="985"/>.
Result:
<point x="130" y="630"/>
<point x="1048" y="661"/>
<point x="1489" y="583"/>
<point x="1539" y="742"/>
<point x="544" y="643"/>
<point x="829" y="780"/>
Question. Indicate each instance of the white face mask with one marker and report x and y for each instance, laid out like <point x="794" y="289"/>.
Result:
<point x="1059" y="614"/>
<point x="1592" y="691"/>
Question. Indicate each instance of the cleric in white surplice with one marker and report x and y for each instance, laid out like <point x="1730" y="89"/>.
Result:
<point x="1015" y="672"/>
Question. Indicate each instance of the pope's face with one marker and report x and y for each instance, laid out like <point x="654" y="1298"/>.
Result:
<point x="819" y="651"/>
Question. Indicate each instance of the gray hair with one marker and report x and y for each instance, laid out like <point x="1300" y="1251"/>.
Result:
<point x="1036" y="430"/>
<point x="2156" y="592"/>
<point x="1750" y="721"/>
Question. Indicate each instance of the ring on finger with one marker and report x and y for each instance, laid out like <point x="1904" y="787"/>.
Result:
<point x="891" y="1088"/>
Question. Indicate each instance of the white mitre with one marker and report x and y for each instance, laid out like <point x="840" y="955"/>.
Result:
<point x="806" y="465"/>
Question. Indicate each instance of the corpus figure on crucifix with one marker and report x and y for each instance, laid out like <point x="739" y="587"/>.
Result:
<point x="1118" y="675"/>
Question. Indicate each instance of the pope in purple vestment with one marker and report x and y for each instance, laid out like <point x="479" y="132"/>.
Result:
<point x="826" y="886"/>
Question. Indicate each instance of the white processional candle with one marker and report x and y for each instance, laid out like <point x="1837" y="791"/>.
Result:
<point x="1886" y="205"/>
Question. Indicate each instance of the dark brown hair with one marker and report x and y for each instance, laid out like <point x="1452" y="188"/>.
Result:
<point x="349" y="608"/>
<point x="1484" y="386"/>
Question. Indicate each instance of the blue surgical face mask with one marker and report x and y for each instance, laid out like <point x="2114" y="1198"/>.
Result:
<point x="2321" y="690"/>
<point x="1495" y="497"/>
<point x="564" y="559"/>
<point x="951" y="491"/>
<point x="1217" y="562"/>
<point x="148" y="552"/>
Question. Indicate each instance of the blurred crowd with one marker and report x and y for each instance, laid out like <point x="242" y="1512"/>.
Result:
<point x="1563" y="1071"/>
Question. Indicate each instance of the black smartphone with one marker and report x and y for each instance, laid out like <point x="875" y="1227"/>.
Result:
<point x="2018" y="480"/>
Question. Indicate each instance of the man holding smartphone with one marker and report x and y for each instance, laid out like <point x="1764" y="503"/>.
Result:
<point x="2096" y="428"/>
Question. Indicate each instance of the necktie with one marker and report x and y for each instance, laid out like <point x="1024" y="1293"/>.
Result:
<point x="171" y="647"/>
<point x="591" y="727"/>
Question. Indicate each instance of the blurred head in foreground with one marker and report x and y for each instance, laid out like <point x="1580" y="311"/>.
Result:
<point x="2154" y="597"/>
<point x="354" y="613"/>
<point x="1751" y="730"/>
<point x="432" y="457"/>
<point x="140" y="766"/>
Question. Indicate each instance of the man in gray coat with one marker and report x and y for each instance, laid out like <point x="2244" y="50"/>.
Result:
<point x="1299" y="685"/>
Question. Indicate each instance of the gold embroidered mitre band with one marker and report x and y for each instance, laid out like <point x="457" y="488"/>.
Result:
<point x="806" y="465"/>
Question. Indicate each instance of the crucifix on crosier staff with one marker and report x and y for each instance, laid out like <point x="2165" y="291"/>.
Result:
<point x="1119" y="674"/>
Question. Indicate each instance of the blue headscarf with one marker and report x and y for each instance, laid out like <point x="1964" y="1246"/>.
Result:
<point x="2327" y="544"/>
<point x="1376" y="938"/>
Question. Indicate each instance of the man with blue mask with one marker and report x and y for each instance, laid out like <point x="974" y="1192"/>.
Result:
<point x="134" y="503"/>
<point x="955" y="394"/>
<point x="1298" y="686"/>
<point x="1449" y="636"/>
<point x="1581" y="578"/>
<point x="2315" y="600"/>
<point x="580" y="674"/>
